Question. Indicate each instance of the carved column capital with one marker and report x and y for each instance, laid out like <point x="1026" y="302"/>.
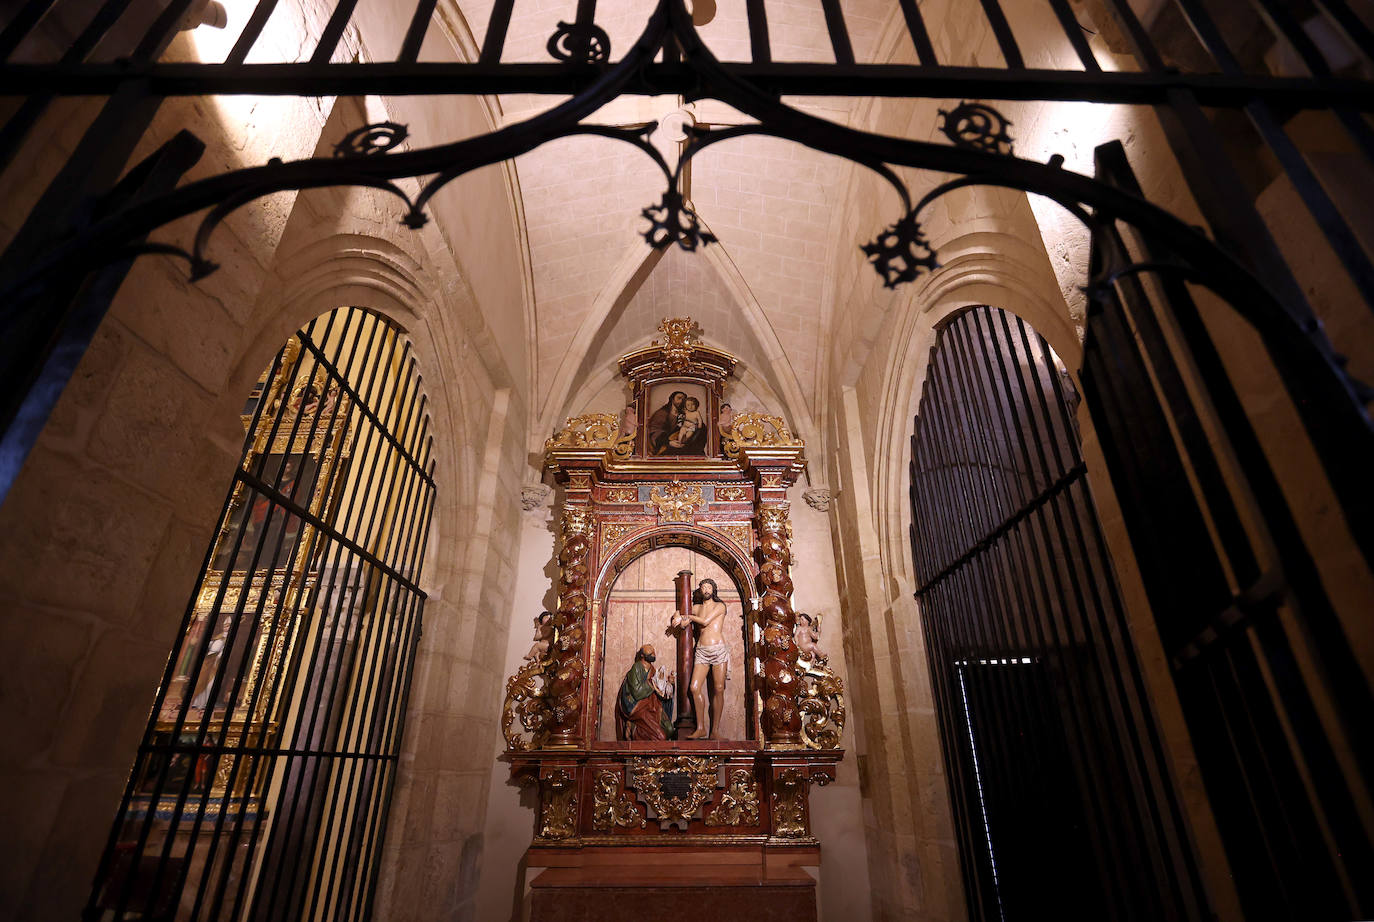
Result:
<point x="534" y="496"/>
<point x="818" y="498"/>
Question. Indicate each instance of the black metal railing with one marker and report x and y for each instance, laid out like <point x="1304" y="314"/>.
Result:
<point x="1274" y="696"/>
<point x="262" y="785"/>
<point x="1061" y="799"/>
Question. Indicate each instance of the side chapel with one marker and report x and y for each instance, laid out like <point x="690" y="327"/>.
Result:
<point x="666" y="800"/>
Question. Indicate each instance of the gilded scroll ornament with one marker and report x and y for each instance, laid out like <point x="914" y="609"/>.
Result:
<point x="739" y="805"/>
<point x="740" y="534"/>
<point x="758" y="429"/>
<point x="679" y="342"/>
<point x="820" y="694"/>
<point x="525" y="698"/>
<point x="677" y="502"/>
<point x="674" y="787"/>
<point x="611" y="807"/>
<point x="789" y="804"/>
<point x="731" y="494"/>
<point x="558" y="805"/>
<point x="820" y="701"/>
<point x="592" y="430"/>
<point x="622" y="495"/>
<point x="612" y="533"/>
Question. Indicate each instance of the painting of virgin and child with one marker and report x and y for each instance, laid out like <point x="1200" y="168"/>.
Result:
<point x="677" y="425"/>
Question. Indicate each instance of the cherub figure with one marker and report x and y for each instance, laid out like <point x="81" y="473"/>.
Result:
<point x="543" y="636"/>
<point x="628" y="420"/>
<point x="806" y="635"/>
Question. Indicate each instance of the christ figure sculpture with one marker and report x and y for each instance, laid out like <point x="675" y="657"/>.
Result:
<point x="712" y="657"/>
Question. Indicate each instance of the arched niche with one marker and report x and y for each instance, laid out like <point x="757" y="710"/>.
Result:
<point x="738" y="569"/>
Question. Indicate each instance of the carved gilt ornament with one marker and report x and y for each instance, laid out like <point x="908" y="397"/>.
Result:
<point x="558" y="805"/>
<point x="677" y="502"/>
<point x="674" y="787"/>
<point x="611" y="807"/>
<point x="679" y="342"/>
<point x="739" y="806"/>
<point x="789" y="804"/>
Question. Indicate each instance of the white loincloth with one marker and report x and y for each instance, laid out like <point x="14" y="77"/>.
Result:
<point x="713" y="654"/>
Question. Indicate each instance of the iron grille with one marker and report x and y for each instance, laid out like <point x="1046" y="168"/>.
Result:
<point x="262" y="785"/>
<point x="1060" y="796"/>
<point x="1255" y="644"/>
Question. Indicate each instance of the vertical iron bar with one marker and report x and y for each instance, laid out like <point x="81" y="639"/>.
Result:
<point x="333" y="31"/>
<point x="231" y="641"/>
<point x="415" y="34"/>
<point x="376" y="658"/>
<point x="183" y="708"/>
<point x="19" y="27"/>
<point x="1074" y="33"/>
<point x="1337" y="232"/>
<point x="758" y="31"/>
<point x="1001" y="30"/>
<point x="920" y="38"/>
<point x="252" y="30"/>
<point x="495" y="40"/>
<point x="1037" y="557"/>
<point x="839" y="32"/>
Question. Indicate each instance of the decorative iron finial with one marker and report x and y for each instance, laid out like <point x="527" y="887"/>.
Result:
<point x="977" y="127"/>
<point x="896" y="254"/>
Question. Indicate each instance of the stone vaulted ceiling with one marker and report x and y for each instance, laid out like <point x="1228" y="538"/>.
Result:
<point x="763" y="294"/>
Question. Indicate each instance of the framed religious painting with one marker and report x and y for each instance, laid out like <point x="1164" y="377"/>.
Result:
<point x="678" y="420"/>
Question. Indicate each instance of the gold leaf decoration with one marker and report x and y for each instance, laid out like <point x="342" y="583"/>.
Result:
<point x="758" y="429"/>
<point x="739" y="806"/>
<point x="676" y="502"/>
<point x="610" y="806"/>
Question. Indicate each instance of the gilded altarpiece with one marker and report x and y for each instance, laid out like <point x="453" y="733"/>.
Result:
<point x="675" y="468"/>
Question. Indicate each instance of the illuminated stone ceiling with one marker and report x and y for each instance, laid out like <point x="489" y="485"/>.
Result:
<point x="770" y="203"/>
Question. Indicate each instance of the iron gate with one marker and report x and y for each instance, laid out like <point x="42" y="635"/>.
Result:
<point x="1277" y="705"/>
<point x="262" y="785"/>
<point x="1061" y="801"/>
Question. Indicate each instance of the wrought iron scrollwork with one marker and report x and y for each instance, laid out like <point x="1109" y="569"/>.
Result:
<point x="980" y="153"/>
<point x="976" y="126"/>
<point x="371" y="140"/>
<point x="673" y="221"/>
<point x="581" y="43"/>
<point x="901" y="252"/>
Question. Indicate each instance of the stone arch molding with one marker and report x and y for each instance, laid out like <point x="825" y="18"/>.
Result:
<point x="984" y="268"/>
<point x="732" y="559"/>
<point x="377" y="275"/>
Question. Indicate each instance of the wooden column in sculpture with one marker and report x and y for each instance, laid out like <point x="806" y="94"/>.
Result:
<point x="686" y="647"/>
<point x="565" y="682"/>
<point x="781" y="719"/>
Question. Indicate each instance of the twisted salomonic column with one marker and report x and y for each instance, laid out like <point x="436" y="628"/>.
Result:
<point x="781" y="721"/>
<point x="565" y="675"/>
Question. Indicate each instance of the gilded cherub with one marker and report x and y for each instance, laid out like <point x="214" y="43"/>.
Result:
<point x="806" y="635"/>
<point x="543" y="636"/>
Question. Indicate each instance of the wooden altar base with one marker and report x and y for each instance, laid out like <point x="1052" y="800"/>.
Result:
<point x="717" y="883"/>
